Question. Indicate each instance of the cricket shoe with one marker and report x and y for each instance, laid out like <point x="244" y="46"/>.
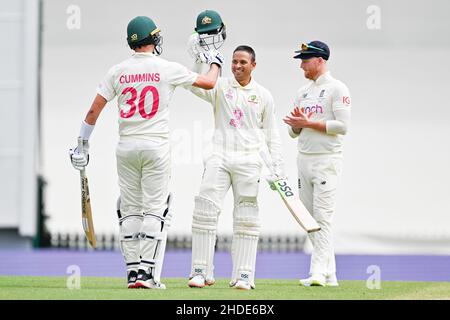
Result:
<point x="199" y="281"/>
<point x="316" y="280"/>
<point x="132" y="277"/>
<point x="242" y="285"/>
<point x="332" y="281"/>
<point x="145" y="281"/>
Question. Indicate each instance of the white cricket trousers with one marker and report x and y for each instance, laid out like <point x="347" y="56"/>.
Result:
<point x="318" y="176"/>
<point x="240" y="171"/>
<point x="144" y="176"/>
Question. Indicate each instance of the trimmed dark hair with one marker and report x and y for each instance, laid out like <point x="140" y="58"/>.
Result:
<point x="247" y="49"/>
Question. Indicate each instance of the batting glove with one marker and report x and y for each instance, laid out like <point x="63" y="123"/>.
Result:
<point x="80" y="160"/>
<point x="195" y="50"/>
<point x="215" y="57"/>
<point x="278" y="174"/>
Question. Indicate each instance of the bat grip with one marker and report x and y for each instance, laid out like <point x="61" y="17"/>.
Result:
<point x="80" y="145"/>
<point x="80" y="150"/>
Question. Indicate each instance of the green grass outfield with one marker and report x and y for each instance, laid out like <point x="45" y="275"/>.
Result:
<point x="92" y="288"/>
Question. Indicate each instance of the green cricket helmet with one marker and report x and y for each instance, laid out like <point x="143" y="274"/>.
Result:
<point x="143" y="31"/>
<point x="211" y="29"/>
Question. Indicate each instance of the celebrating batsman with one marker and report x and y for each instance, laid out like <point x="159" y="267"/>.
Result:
<point x="144" y="85"/>
<point x="320" y="119"/>
<point x="244" y="121"/>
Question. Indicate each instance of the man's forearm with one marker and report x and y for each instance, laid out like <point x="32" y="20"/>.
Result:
<point x="97" y="106"/>
<point x="317" y="125"/>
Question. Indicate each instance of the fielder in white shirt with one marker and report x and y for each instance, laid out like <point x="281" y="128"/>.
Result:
<point x="244" y="116"/>
<point x="320" y="120"/>
<point x="144" y="85"/>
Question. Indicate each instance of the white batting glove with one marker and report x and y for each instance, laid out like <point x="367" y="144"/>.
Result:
<point x="278" y="174"/>
<point x="215" y="57"/>
<point x="80" y="160"/>
<point x="195" y="50"/>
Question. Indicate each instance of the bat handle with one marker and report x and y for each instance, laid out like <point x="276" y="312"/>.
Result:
<point x="80" y="145"/>
<point x="80" y="149"/>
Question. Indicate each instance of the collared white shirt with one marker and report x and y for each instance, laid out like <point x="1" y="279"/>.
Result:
<point x="244" y="117"/>
<point x="328" y="99"/>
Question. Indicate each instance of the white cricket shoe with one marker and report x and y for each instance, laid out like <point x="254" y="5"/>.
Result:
<point x="332" y="281"/>
<point x="199" y="281"/>
<point x="242" y="285"/>
<point x="316" y="280"/>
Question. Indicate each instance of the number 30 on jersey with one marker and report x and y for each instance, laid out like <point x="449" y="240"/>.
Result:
<point x="141" y="103"/>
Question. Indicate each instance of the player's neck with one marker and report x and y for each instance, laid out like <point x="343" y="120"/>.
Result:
<point x="244" y="82"/>
<point x="146" y="49"/>
<point x="319" y="73"/>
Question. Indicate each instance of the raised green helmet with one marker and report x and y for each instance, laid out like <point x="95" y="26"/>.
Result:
<point x="211" y="29"/>
<point x="143" y="31"/>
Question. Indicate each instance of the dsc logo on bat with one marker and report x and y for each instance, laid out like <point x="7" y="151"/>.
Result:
<point x="284" y="187"/>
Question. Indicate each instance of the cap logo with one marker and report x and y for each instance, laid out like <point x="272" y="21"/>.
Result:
<point x="134" y="37"/>
<point x="206" y="20"/>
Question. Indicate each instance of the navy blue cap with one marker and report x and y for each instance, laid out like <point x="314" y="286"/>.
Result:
<point x="313" y="49"/>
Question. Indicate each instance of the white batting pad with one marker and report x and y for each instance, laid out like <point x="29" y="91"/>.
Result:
<point x="245" y="242"/>
<point x="151" y="237"/>
<point x="129" y="241"/>
<point x="244" y="257"/>
<point x="204" y="226"/>
<point x="162" y="250"/>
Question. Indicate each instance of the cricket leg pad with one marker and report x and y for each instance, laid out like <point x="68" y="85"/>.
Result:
<point x="129" y="241"/>
<point x="151" y="238"/>
<point x="204" y="229"/>
<point x="165" y="225"/>
<point x="245" y="242"/>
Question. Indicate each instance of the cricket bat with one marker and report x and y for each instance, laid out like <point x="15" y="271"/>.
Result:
<point x="293" y="203"/>
<point x="86" y="212"/>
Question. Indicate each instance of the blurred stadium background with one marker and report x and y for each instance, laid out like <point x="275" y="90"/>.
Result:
<point x="393" y="198"/>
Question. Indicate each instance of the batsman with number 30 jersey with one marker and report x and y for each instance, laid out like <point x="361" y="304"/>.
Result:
<point x="144" y="85"/>
<point x="320" y="120"/>
<point x="244" y="119"/>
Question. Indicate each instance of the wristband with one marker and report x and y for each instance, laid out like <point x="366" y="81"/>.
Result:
<point x="86" y="130"/>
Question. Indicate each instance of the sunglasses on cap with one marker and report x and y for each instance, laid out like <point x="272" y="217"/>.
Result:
<point x="306" y="47"/>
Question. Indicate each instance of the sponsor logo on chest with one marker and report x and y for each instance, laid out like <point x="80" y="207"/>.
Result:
<point x="314" y="109"/>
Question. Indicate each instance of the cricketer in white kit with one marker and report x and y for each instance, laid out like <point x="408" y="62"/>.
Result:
<point x="144" y="85"/>
<point x="244" y="117"/>
<point x="319" y="120"/>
